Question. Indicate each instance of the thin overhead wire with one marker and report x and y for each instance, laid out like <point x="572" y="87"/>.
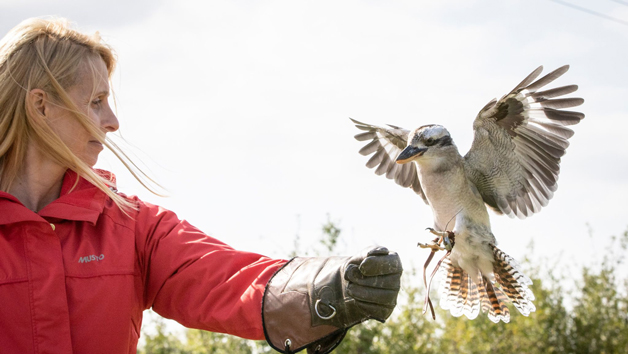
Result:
<point x="591" y="12"/>
<point x="620" y="2"/>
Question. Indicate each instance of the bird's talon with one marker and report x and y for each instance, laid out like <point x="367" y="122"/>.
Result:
<point x="440" y="234"/>
<point x="433" y="246"/>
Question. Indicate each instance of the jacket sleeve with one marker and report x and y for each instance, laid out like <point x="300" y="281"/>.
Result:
<point x="197" y="280"/>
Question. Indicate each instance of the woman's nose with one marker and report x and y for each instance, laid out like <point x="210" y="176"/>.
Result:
<point x="109" y="121"/>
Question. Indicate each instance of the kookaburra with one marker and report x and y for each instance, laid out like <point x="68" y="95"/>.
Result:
<point x="512" y="167"/>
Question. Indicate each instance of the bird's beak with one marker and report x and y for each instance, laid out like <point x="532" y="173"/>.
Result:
<point x="409" y="153"/>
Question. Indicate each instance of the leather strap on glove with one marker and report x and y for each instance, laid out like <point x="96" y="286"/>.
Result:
<point x="311" y="302"/>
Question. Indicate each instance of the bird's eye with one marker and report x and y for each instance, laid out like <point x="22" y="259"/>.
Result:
<point x="429" y="141"/>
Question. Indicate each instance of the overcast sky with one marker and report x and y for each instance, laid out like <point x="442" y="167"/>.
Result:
<point x="241" y="110"/>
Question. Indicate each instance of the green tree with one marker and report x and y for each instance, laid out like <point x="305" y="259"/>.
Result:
<point x="600" y="314"/>
<point x="544" y="331"/>
<point x="203" y="342"/>
<point x="197" y="342"/>
<point x="406" y="331"/>
<point x="331" y="235"/>
<point x="162" y="342"/>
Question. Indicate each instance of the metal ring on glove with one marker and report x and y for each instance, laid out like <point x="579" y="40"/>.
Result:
<point x="321" y="316"/>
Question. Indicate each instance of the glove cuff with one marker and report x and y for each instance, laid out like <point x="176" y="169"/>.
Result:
<point x="286" y="313"/>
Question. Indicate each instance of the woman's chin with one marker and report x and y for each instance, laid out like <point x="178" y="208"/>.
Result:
<point x="90" y="160"/>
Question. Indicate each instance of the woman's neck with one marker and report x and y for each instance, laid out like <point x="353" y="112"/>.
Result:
<point x="38" y="182"/>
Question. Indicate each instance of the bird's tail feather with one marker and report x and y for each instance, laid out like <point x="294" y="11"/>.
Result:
<point x="463" y="295"/>
<point x="493" y="301"/>
<point x="513" y="282"/>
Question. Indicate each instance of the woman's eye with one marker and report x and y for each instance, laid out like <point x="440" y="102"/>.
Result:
<point x="97" y="102"/>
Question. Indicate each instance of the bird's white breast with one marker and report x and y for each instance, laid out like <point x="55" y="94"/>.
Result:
<point x="449" y="194"/>
<point x="458" y="207"/>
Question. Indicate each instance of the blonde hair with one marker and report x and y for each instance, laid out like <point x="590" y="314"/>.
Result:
<point x="49" y="55"/>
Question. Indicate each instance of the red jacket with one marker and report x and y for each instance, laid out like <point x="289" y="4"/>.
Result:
<point x="77" y="276"/>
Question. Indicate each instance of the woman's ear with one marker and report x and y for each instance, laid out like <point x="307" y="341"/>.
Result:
<point x="38" y="98"/>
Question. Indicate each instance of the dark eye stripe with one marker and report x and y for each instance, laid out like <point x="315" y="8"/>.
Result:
<point x="444" y="141"/>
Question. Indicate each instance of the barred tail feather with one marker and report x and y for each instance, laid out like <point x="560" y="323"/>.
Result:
<point x="486" y="303"/>
<point x="472" y="305"/>
<point x="451" y="290"/>
<point x="463" y="295"/>
<point x="458" y="292"/>
<point x="513" y="282"/>
<point x="494" y="301"/>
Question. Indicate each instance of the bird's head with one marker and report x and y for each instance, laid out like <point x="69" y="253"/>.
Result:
<point x="425" y="142"/>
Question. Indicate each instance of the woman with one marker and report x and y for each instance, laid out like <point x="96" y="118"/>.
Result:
<point x="81" y="261"/>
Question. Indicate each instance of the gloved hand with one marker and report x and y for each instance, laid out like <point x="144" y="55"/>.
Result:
<point x="347" y="291"/>
<point x="311" y="302"/>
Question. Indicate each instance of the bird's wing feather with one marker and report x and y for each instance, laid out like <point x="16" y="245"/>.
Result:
<point x="385" y="144"/>
<point x="518" y="142"/>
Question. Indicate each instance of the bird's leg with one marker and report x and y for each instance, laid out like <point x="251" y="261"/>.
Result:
<point x="435" y="247"/>
<point x="445" y="237"/>
<point x="448" y="238"/>
<point x="435" y="244"/>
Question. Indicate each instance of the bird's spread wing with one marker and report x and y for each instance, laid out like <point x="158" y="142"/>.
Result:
<point x="387" y="143"/>
<point x="519" y="140"/>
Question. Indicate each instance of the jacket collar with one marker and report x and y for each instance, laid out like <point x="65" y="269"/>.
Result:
<point x="78" y="201"/>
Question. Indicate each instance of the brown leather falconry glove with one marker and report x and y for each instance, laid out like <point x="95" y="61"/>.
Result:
<point x="311" y="302"/>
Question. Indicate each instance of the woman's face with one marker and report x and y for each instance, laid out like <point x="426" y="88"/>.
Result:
<point x="90" y="95"/>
